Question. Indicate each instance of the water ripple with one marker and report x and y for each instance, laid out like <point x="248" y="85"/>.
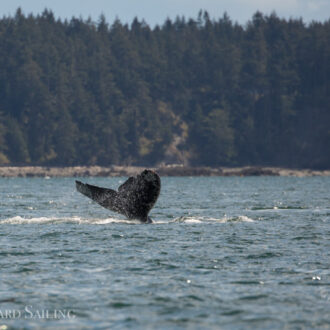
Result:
<point x="234" y="253"/>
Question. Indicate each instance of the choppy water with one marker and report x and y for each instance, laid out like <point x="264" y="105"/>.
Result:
<point x="224" y="253"/>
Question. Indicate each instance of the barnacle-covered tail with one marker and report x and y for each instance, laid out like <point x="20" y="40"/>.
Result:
<point x="135" y="197"/>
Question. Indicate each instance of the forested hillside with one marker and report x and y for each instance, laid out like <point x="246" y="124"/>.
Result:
<point x="195" y="91"/>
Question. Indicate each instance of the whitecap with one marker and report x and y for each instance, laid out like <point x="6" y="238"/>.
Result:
<point x="193" y="220"/>
<point x="112" y="220"/>
<point x="39" y="220"/>
<point x="244" y="218"/>
<point x="79" y="220"/>
<point x="75" y="219"/>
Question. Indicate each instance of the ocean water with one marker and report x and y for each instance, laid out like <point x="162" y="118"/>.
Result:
<point x="224" y="252"/>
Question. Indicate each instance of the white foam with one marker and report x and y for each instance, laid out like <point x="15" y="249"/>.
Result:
<point x="96" y="270"/>
<point x="240" y="218"/>
<point x="54" y="220"/>
<point x="112" y="220"/>
<point x="20" y="220"/>
<point x="244" y="218"/>
<point x="193" y="221"/>
<point x="79" y="220"/>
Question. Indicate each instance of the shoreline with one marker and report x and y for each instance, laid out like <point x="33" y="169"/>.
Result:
<point x="170" y="170"/>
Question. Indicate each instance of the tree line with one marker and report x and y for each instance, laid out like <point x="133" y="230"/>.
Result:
<point x="195" y="91"/>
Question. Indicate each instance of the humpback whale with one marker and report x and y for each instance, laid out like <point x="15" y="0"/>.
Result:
<point x="134" y="198"/>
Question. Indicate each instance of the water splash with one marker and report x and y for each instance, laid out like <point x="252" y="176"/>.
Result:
<point x="192" y="220"/>
<point x="78" y="220"/>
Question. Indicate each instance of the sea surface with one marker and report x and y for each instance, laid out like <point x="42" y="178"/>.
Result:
<point x="223" y="253"/>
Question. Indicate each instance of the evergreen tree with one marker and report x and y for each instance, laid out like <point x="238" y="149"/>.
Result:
<point x="217" y="93"/>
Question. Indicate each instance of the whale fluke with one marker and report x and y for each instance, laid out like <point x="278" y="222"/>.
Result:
<point x="134" y="198"/>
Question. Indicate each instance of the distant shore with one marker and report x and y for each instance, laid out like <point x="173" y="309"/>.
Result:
<point x="172" y="170"/>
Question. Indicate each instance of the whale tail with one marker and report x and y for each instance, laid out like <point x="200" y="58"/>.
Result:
<point x="134" y="199"/>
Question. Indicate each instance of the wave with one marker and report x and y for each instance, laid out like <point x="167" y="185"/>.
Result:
<point x="189" y="219"/>
<point x="272" y="208"/>
<point x="45" y="220"/>
<point x="78" y="220"/>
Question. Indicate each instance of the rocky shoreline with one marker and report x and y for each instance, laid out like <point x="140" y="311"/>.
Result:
<point x="172" y="170"/>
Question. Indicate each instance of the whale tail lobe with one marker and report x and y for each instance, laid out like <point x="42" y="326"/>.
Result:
<point x="103" y="196"/>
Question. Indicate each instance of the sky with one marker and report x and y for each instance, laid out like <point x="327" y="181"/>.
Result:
<point x="156" y="11"/>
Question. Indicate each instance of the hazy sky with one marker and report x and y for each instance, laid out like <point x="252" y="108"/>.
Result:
<point x="155" y="12"/>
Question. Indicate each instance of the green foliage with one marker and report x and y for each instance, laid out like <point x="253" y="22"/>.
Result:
<point x="3" y="146"/>
<point x="17" y="147"/>
<point x="209" y="91"/>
